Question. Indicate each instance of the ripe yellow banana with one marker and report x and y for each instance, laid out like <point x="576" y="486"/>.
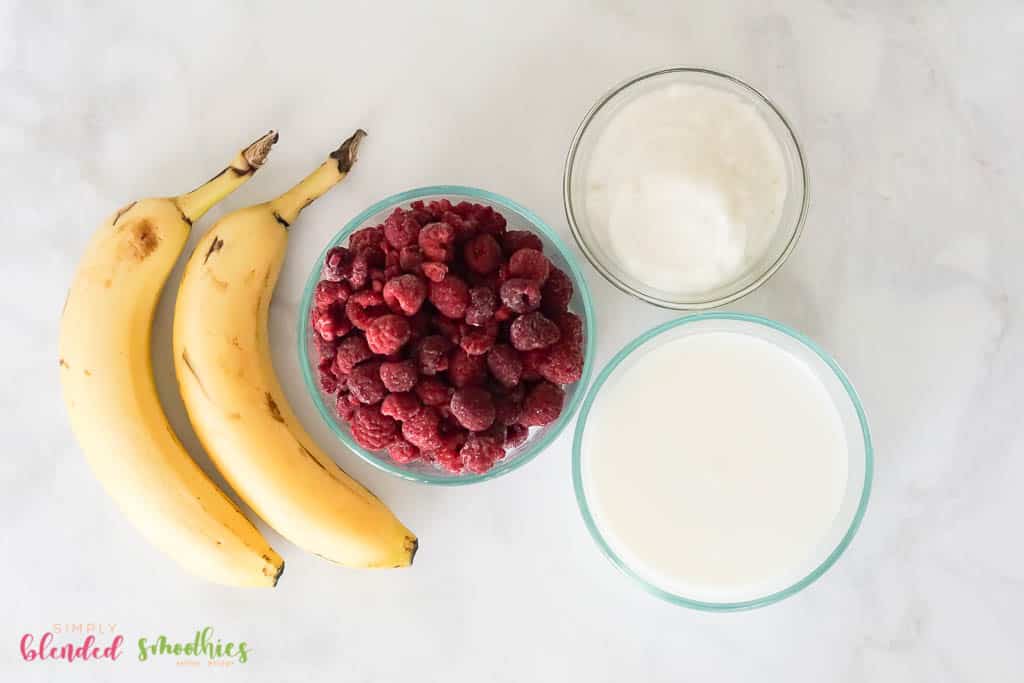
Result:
<point x="107" y="377"/>
<point x="235" y="401"/>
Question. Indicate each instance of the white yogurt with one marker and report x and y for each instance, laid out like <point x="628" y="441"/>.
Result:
<point x="685" y="188"/>
<point x="715" y="465"/>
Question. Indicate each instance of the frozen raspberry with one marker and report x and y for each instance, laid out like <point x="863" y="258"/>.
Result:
<point x="557" y="293"/>
<point x="450" y="461"/>
<point x="432" y="354"/>
<point x="344" y="408"/>
<point x="473" y="408"/>
<point x="365" y="307"/>
<point x="326" y="349"/>
<point x="477" y="341"/>
<point x="504" y="313"/>
<point x="365" y="238"/>
<point x="351" y="351"/>
<point x="437" y="241"/>
<point x="432" y="391"/>
<point x="514" y="240"/>
<point x="438" y="207"/>
<point x="466" y="370"/>
<point x="542" y="405"/>
<point x="371" y="430"/>
<point x="465" y="228"/>
<point x="532" y="360"/>
<point x="480" y="453"/>
<point x="505" y="365"/>
<point x="489" y="220"/>
<point x="374" y="257"/>
<point x="402" y="406"/>
<point x="329" y="292"/>
<point x="482" y="303"/>
<point x="405" y="294"/>
<point x="434" y="272"/>
<point x="398" y="376"/>
<point x="529" y="263"/>
<point x="516" y="436"/>
<point x="403" y="452"/>
<point x="450" y="296"/>
<point x="447" y="328"/>
<point x="401" y="229"/>
<point x="328" y="380"/>
<point x="563" y="363"/>
<point x="521" y="295"/>
<point x="533" y="331"/>
<point x="482" y="254"/>
<point x="571" y="327"/>
<point x="331" y="323"/>
<point x="409" y="259"/>
<point x="387" y="334"/>
<point x="364" y="383"/>
<point x="507" y="409"/>
<point x="423" y="430"/>
<point x="337" y="264"/>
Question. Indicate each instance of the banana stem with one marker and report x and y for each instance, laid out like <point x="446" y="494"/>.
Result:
<point x="288" y="206"/>
<point x="200" y="200"/>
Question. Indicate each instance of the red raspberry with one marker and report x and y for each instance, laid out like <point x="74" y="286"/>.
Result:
<point x="507" y="409"/>
<point x="399" y="376"/>
<point x="329" y="292"/>
<point x="403" y="452"/>
<point x="450" y="461"/>
<point x="447" y="328"/>
<point x="521" y="295"/>
<point x="473" y="408"/>
<point x="332" y="323"/>
<point x="480" y="453"/>
<point x="328" y="380"/>
<point x="402" y="406"/>
<point x="438" y="207"/>
<point x="337" y="264"/>
<point x="371" y="430"/>
<point x="437" y="241"/>
<point x="504" y="313"/>
<point x="434" y="272"/>
<point x="516" y="436"/>
<point x="542" y="405"/>
<point x="364" y="383"/>
<point x="505" y="365"/>
<point x="405" y="294"/>
<point x="326" y="350"/>
<point x="432" y="354"/>
<point x="514" y="240"/>
<point x="409" y="259"/>
<point x="465" y="370"/>
<point x="351" y="351"/>
<point x="571" y="327"/>
<point x="433" y="392"/>
<point x="489" y="220"/>
<point x="482" y="303"/>
<point x="422" y="430"/>
<point x="532" y="360"/>
<point x="387" y="334"/>
<point x="365" y="307"/>
<point x="557" y="293"/>
<point x="563" y="363"/>
<point x="450" y="296"/>
<point x="477" y="341"/>
<point x="529" y="263"/>
<point x="465" y="229"/>
<point x="365" y="238"/>
<point x="372" y="255"/>
<point x="533" y="331"/>
<point x="482" y="254"/>
<point x="344" y="408"/>
<point x="401" y="229"/>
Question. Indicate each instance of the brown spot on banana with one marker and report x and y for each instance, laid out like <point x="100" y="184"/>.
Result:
<point x="86" y="373"/>
<point x="214" y="247"/>
<point x="142" y="240"/>
<point x="195" y="375"/>
<point x="282" y="221"/>
<point x="107" y="283"/>
<point x="346" y="154"/>
<point x="275" y="411"/>
<point x="217" y="282"/>
<point x="63" y="363"/>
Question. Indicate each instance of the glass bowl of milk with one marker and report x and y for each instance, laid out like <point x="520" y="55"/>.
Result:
<point x="685" y="187"/>
<point x="723" y="461"/>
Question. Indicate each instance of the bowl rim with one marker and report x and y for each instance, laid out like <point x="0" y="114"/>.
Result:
<point x="579" y="283"/>
<point x="577" y="233"/>
<point x="581" y="499"/>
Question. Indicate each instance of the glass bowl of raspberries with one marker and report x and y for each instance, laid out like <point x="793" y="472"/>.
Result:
<point x="446" y="335"/>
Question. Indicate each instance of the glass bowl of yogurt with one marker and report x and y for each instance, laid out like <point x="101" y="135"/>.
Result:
<point x="723" y="461"/>
<point x="685" y="187"/>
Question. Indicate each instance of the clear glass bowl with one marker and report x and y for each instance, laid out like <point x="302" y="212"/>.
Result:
<point x="844" y="397"/>
<point x="791" y="220"/>
<point x="519" y="218"/>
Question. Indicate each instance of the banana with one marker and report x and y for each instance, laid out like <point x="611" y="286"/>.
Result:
<point x="234" y="399"/>
<point x="111" y="397"/>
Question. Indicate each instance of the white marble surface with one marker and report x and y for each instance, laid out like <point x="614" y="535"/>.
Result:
<point x="909" y="271"/>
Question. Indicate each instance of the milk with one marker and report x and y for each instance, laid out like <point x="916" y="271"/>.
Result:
<point x="715" y="465"/>
<point x="685" y="188"/>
